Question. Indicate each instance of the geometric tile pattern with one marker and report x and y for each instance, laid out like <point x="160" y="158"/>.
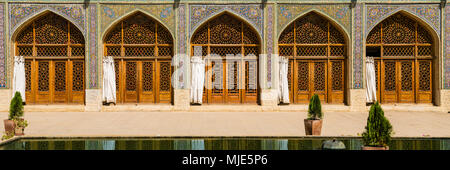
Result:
<point x="164" y="13"/>
<point x="20" y="13"/>
<point x="430" y="13"/>
<point x="93" y="59"/>
<point x="340" y="13"/>
<point x="358" y="45"/>
<point x="3" y="75"/>
<point x="252" y="13"/>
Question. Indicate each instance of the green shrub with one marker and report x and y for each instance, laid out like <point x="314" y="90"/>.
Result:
<point x="16" y="107"/>
<point x="315" y="108"/>
<point x="7" y="135"/>
<point x="378" y="129"/>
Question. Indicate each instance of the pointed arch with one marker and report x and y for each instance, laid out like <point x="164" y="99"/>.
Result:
<point x="142" y="49"/>
<point x="406" y="52"/>
<point x="113" y="24"/>
<point x="317" y="50"/>
<point x="54" y="48"/>
<point x="411" y="15"/>
<point x="223" y="35"/>
<point x="220" y="13"/>
<point x="26" y="21"/>
<point x="335" y="23"/>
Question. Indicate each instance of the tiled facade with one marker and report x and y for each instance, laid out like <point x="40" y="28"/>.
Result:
<point x="182" y="17"/>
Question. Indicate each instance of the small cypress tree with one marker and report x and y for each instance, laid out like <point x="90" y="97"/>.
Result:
<point x="16" y="107"/>
<point x="315" y="108"/>
<point x="378" y="129"/>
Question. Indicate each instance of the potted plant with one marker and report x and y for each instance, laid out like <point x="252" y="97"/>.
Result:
<point x="378" y="130"/>
<point x="9" y="123"/>
<point x="313" y="124"/>
<point x="16" y="114"/>
<point x="20" y="124"/>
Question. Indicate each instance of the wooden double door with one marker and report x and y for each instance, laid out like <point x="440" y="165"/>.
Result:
<point x="143" y="80"/>
<point x="53" y="81"/>
<point x="404" y="81"/>
<point x="231" y="81"/>
<point x="322" y="77"/>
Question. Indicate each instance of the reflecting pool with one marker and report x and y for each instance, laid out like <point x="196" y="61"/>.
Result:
<point x="237" y="143"/>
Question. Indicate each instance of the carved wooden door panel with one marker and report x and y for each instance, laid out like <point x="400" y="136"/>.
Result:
<point x="131" y="81"/>
<point x="143" y="81"/>
<point x="233" y="83"/>
<point x="54" y="81"/>
<point x="58" y="77"/>
<point x="217" y="82"/>
<point x="424" y="81"/>
<point x="43" y="94"/>
<point x="301" y="81"/>
<point x="377" y="64"/>
<point x="164" y="70"/>
<point x="118" y="67"/>
<point x="147" y="83"/>
<point x="29" y="82"/>
<point x="76" y="81"/>
<point x="291" y="79"/>
<point x="398" y="85"/>
<point x="250" y="91"/>
<point x="319" y="79"/>
<point x="310" y="78"/>
<point x="406" y="81"/>
<point x="389" y="78"/>
<point x="336" y="82"/>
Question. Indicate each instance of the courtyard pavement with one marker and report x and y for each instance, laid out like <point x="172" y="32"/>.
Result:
<point x="405" y="124"/>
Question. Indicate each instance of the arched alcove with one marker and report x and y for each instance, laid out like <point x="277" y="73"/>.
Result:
<point x="405" y="53"/>
<point x="317" y="52"/>
<point x="54" y="52"/>
<point x="142" y="49"/>
<point x="233" y="80"/>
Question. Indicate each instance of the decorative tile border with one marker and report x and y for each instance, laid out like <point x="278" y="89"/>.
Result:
<point x="93" y="65"/>
<point x="252" y="13"/>
<point x="181" y="29"/>
<point x="181" y="41"/>
<point x="340" y="13"/>
<point x="270" y="51"/>
<point x="3" y="75"/>
<point x="447" y="48"/>
<point x="20" y="13"/>
<point x="430" y="13"/>
<point x="164" y="13"/>
<point x="358" y="79"/>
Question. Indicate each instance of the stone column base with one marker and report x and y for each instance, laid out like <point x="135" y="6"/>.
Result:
<point x="357" y="100"/>
<point x="5" y="99"/>
<point x="93" y="100"/>
<point x="181" y="100"/>
<point x="269" y="99"/>
<point x="445" y="100"/>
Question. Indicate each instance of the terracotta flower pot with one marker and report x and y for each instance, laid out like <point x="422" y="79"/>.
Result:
<point x="19" y="131"/>
<point x="375" y="147"/>
<point x="10" y="126"/>
<point x="313" y="127"/>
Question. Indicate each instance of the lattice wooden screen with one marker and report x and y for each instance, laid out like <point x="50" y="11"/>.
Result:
<point x="50" y="36"/>
<point x="54" y="53"/>
<point x="317" y="51"/>
<point x="139" y="36"/>
<point x="142" y="49"/>
<point x="403" y="63"/>
<point x="235" y="81"/>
